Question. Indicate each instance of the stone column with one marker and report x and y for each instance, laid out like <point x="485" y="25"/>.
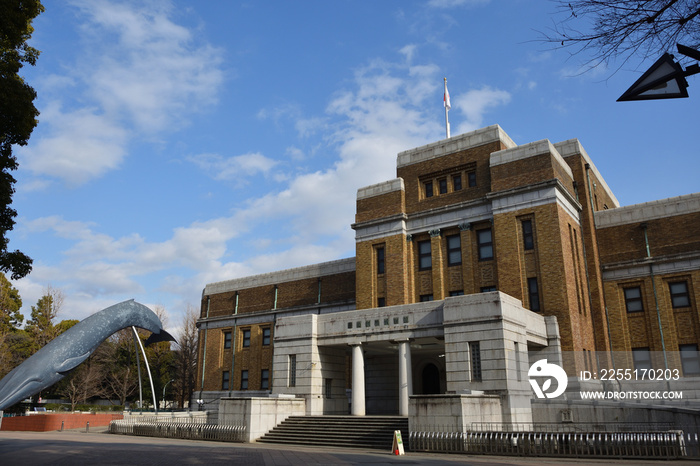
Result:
<point x="358" y="380"/>
<point x="405" y="376"/>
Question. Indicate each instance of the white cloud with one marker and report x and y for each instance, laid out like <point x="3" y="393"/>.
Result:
<point x="455" y="3"/>
<point x="477" y="102"/>
<point x="139" y="74"/>
<point x="234" y="168"/>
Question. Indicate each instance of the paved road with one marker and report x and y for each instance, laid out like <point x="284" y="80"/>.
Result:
<point x="72" y="448"/>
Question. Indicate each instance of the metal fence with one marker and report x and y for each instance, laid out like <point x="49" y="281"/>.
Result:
<point x="671" y="444"/>
<point x="181" y="430"/>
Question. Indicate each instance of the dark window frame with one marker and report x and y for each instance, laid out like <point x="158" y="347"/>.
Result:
<point x="528" y="235"/>
<point x="690" y="358"/>
<point x="381" y="260"/>
<point x="227" y="340"/>
<point x="442" y="186"/>
<point x="679" y="299"/>
<point x="244" y="379"/>
<point x="266" y="336"/>
<point x="225" y="380"/>
<point x="425" y="257"/>
<point x="633" y="303"/>
<point x="265" y="379"/>
<point x="471" y="179"/>
<point x="484" y="246"/>
<point x="457" y="182"/>
<point x="428" y="189"/>
<point x="454" y="249"/>
<point x="245" y="340"/>
<point x="533" y="294"/>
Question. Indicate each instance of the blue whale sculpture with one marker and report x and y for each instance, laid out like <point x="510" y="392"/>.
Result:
<point x="64" y="353"/>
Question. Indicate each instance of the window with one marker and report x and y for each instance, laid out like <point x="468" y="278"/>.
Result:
<point x="425" y="261"/>
<point x="244" y="380"/>
<point x="485" y="243"/>
<point x="225" y="378"/>
<point x="475" y="354"/>
<point x="292" y="376"/>
<point x="264" y="379"/>
<point x="679" y="294"/>
<point x="456" y="182"/>
<point x="266" y="336"/>
<point x="381" y="302"/>
<point x="689" y="359"/>
<point x="442" y="185"/>
<point x="246" y="338"/>
<point x="227" y="340"/>
<point x="380" y="260"/>
<point x="633" y="299"/>
<point x="328" y="388"/>
<point x="528" y="239"/>
<point x="641" y="358"/>
<point x="428" y="188"/>
<point x="457" y="293"/>
<point x="486" y="289"/>
<point x="533" y="294"/>
<point x="424" y="298"/>
<point x="471" y="179"/>
<point x="454" y="250"/>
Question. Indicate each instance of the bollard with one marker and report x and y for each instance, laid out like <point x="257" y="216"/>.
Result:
<point x="62" y="425"/>
<point x="87" y="427"/>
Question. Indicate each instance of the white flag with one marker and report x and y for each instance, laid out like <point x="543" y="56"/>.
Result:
<point x="446" y="98"/>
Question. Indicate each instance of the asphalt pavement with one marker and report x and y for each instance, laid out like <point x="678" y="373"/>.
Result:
<point x="96" y="447"/>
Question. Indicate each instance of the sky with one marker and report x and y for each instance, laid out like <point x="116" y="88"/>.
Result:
<point x="183" y="143"/>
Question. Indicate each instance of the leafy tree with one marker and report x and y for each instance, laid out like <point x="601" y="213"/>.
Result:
<point x="186" y="357"/>
<point x="41" y="325"/>
<point x="17" y="115"/>
<point x="611" y="29"/>
<point x="10" y="304"/>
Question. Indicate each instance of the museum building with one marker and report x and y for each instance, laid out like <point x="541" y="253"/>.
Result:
<point x="481" y="257"/>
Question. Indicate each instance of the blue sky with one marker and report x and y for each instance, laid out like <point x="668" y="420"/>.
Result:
<point x="182" y="143"/>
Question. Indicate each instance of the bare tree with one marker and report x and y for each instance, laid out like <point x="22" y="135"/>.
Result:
<point x="612" y="29"/>
<point x="186" y="357"/>
<point x="41" y="324"/>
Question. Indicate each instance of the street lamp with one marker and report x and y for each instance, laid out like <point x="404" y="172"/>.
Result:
<point x="665" y="79"/>
<point x="166" y="385"/>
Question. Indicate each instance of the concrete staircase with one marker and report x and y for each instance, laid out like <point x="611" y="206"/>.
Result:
<point x="375" y="432"/>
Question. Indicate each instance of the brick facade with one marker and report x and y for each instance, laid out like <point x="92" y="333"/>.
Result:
<point x="477" y="213"/>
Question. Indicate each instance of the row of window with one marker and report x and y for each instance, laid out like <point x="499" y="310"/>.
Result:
<point x="690" y="359"/>
<point x="264" y="380"/>
<point x="452" y="183"/>
<point x="677" y="290"/>
<point x="245" y="335"/>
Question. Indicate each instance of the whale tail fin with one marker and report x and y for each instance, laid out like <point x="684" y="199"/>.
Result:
<point x="158" y="337"/>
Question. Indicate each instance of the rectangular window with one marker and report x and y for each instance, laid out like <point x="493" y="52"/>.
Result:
<point x="264" y="379"/>
<point x="690" y="361"/>
<point x="425" y="261"/>
<point x="454" y="250"/>
<point x="533" y="293"/>
<point x="641" y="357"/>
<point x="267" y="331"/>
<point x="456" y="182"/>
<point x="225" y="378"/>
<point x="328" y="388"/>
<point x="380" y="260"/>
<point x="442" y="185"/>
<point x="457" y="293"/>
<point x="227" y="340"/>
<point x="246" y="338"/>
<point x="528" y="238"/>
<point x="244" y="380"/>
<point x="292" y="376"/>
<point x="471" y="179"/>
<point x="633" y="299"/>
<point x="485" y="243"/>
<point x="424" y="298"/>
<point x="428" y="188"/>
<point x="475" y="355"/>
<point x="381" y="302"/>
<point x="679" y="294"/>
<point x="486" y="289"/>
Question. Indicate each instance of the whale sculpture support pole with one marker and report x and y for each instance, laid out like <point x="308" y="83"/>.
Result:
<point x="148" y="369"/>
<point x="68" y="350"/>
<point x="138" y="373"/>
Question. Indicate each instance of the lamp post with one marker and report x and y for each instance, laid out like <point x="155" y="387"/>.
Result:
<point x="665" y="79"/>
<point x="166" y="386"/>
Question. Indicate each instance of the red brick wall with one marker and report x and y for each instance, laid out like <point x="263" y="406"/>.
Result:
<point x="50" y="421"/>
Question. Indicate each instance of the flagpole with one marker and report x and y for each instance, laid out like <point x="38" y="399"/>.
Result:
<point x="446" y="101"/>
